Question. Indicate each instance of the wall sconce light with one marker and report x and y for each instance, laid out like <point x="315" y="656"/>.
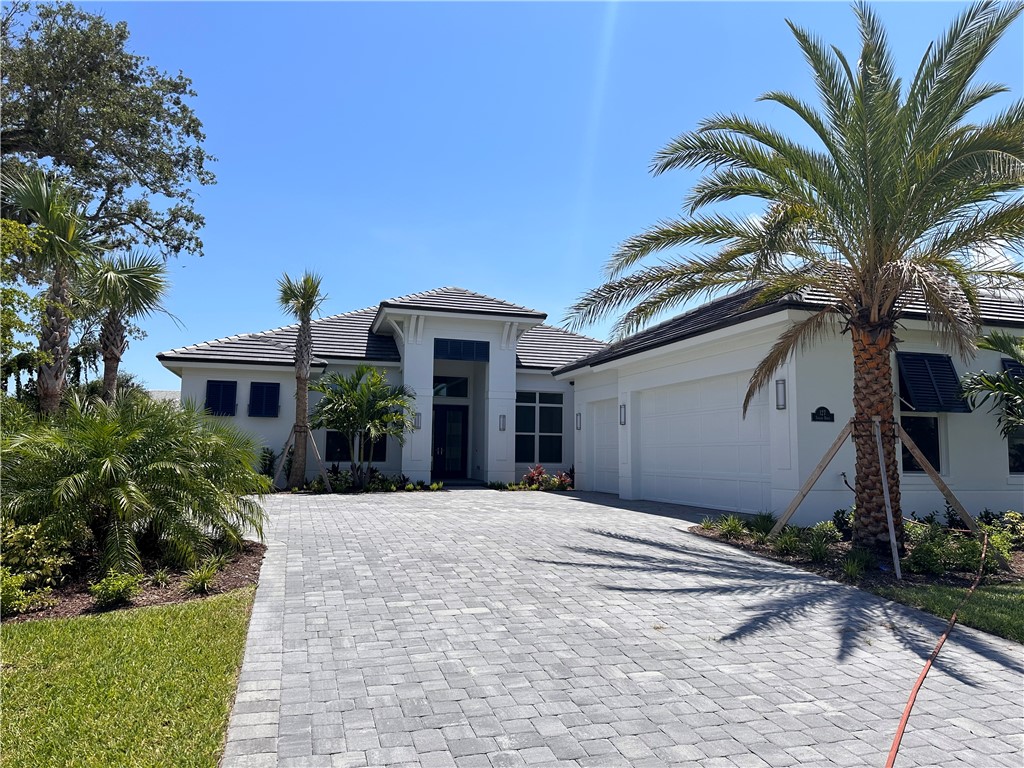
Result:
<point x="579" y="421"/>
<point x="417" y="420"/>
<point x="622" y="414"/>
<point x="780" y="394"/>
<point x="501" y="422"/>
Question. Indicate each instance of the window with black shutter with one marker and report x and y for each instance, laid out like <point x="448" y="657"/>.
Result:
<point x="264" y="398"/>
<point x="462" y="349"/>
<point x="338" y="451"/>
<point x="928" y="383"/>
<point x="1013" y="367"/>
<point x="221" y="397"/>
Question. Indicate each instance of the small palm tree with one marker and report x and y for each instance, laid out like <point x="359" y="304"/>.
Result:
<point x="136" y="470"/>
<point x="1004" y="388"/>
<point x="65" y="243"/>
<point x="125" y="287"/>
<point x="364" y="408"/>
<point x="893" y="205"/>
<point x="301" y="298"/>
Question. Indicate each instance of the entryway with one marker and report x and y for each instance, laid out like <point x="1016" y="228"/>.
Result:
<point x="451" y="442"/>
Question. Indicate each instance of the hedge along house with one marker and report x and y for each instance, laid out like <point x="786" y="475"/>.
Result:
<point x="486" y="407"/>
<point x="659" y="414"/>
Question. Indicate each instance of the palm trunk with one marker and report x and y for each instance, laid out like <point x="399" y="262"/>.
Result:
<point x="303" y="362"/>
<point x="873" y="396"/>
<point x="113" y="344"/>
<point x="53" y="344"/>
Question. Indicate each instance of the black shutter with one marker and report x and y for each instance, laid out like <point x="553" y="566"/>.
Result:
<point x="462" y="349"/>
<point x="221" y="397"/>
<point x="928" y="383"/>
<point x="264" y="399"/>
<point x="1013" y="368"/>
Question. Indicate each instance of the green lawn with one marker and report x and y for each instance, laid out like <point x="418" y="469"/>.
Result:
<point x="998" y="608"/>
<point x="145" y="687"/>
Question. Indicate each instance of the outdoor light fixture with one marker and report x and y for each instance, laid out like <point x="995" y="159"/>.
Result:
<point x="501" y="423"/>
<point x="417" y="420"/>
<point x="622" y="414"/>
<point x="579" y="421"/>
<point x="780" y="394"/>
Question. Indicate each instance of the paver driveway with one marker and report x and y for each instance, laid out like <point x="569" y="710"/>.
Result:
<point x="478" y="628"/>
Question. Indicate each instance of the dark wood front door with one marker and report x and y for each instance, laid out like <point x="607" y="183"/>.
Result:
<point x="451" y="442"/>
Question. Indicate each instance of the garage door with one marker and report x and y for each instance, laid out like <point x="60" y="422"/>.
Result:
<point x="606" y="446"/>
<point x="696" y="448"/>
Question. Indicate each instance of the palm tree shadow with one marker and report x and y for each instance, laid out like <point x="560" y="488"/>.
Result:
<point x="786" y="596"/>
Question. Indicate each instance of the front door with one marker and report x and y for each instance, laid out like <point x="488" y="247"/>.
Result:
<point x="451" y="441"/>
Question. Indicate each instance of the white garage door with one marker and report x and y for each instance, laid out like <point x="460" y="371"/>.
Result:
<point x="606" y="446"/>
<point x="695" y="447"/>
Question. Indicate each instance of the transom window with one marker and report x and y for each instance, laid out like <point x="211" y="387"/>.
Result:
<point x="539" y="427"/>
<point x="451" y="386"/>
<point x="1015" y="449"/>
<point x="221" y="397"/>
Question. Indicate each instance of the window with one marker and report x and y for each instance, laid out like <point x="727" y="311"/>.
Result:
<point x="538" y="427"/>
<point x="462" y="349"/>
<point x="1015" y="448"/>
<point x="451" y="386"/>
<point x="264" y="398"/>
<point x="220" y="397"/>
<point x="337" y="450"/>
<point x="924" y="431"/>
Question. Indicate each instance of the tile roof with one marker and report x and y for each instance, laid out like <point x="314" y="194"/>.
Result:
<point x="452" y="299"/>
<point x="348" y="336"/>
<point x="999" y="310"/>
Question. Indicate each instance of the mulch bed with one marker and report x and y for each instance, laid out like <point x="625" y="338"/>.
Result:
<point x="73" y="598"/>
<point x="871" y="579"/>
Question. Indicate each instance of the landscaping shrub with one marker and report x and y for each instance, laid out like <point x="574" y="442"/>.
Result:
<point x="788" y="542"/>
<point x="731" y="527"/>
<point x="267" y="460"/>
<point x="843" y="521"/>
<point x="856" y="563"/>
<point x="826" y="531"/>
<point x="160" y="578"/>
<point x="14" y="598"/>
<point x="115" y="589"/>
<point x="708" y="523"/>
<point x="28" y="552"/>
<point x="936" y="550"/>
<point x="818" y="549"/>
<point x="132" y="473"/>
<point x="762" y="523"/>
<point x="200" y="579"/>
<point x="534" y="477"/>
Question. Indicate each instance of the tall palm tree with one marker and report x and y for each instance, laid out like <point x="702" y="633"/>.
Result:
<point x="301" y="298"/>
<point x="896" y="203"/>
<point x="66" y="243"/>
<point x="125" y="287"/>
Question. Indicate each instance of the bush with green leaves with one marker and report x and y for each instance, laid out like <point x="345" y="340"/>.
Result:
<point x="731" y="527"/>
<point x="708" y="523"/>
<point x="842" y="519"/>
<point x="16" y="598"/>
<point x="200" y="579"/>
<point x="160" y="578"/>
<point x="116" y="589"/>
<point x="135" y="473"/>
<point x="936" y="550"/>
<point x="29" y="552"/>
<point x="762" y="523"/>
<point x="788" y="541"/>
<point x="856" y="563"/>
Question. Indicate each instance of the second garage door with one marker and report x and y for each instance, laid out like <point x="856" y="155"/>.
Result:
<point x="696" y="448"/>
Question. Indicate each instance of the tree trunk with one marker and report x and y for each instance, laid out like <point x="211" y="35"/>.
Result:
<point x="113" y="344"/>
<point x="303" y="362"/>
<point x="873" y="396"/>
<point x="53" y="344"/>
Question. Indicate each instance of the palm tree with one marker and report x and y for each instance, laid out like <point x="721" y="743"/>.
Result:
<point x="126" y="287"/>
<point x="893" y="205"/>
<point x="1004" y="388"/>
<point x="136" y="471"/>
<point x="301" y="298"/>
<point x="66" y="243"/>
<point x="364" y="408"/>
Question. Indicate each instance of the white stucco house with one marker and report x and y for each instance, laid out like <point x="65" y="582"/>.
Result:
<point x="656" y="416"/>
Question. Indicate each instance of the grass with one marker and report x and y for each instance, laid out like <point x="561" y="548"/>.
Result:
<point x="995" y="608"/>
<point x="144" y="687"/>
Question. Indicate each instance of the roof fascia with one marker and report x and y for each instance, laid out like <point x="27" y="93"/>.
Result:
<point x="525" y="319"/>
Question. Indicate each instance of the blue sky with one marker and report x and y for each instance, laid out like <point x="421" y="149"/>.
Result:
<point x="504" y="148"/>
